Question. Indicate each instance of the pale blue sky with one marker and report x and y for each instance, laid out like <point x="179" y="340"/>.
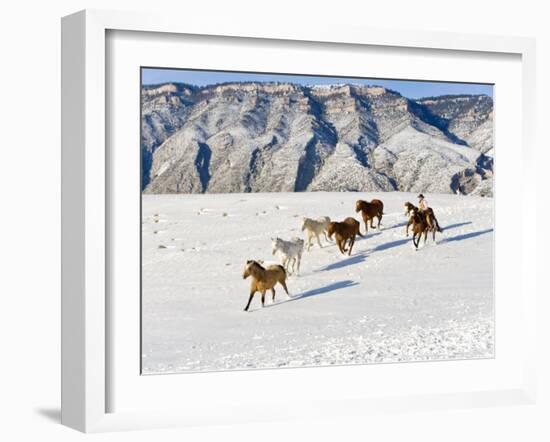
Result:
<point x="410" y="89"/>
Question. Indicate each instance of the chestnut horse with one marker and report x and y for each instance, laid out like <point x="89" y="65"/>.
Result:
<point x="345" y="231"/>
<point x="369" y="211"/>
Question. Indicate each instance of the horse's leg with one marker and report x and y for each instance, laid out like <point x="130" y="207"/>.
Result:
<point x="429" y="220"/>
<point x="249" y="300"/>
<point x="342" y="250"/>
<point x="286" y="263"/>
<point x="318" y="240"/>
<point x="283" y="283"/>
<point x="407" y="228"/>
<point x="379" y="221"/>
<point x="351" y="242"/>
<point x="299" y="261"/>
<point x="309" y="236"/>
<point x="273" y="292"/>
<point x="263" y="298"/>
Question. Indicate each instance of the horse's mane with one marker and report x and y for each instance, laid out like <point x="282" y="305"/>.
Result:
<point x="362" y="205"/>
<point x="255" y="264"/>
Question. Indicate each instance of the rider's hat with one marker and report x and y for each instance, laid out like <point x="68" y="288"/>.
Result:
<point x="420" y="196"/>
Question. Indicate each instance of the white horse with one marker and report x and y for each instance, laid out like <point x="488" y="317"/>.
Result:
<point x="291" y="251"/>
<point x="314" y="228"/>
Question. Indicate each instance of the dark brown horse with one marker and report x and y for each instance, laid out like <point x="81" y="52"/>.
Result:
<point x="428" y="214"/>
<point x="420" y="226"/>
<point x="369" y="211"/>
<point x="409" y="211"/>
<point x="345" y="231"/>
<point x="409" y="207"/>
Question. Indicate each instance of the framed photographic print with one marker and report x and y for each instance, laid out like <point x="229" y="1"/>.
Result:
<point x="282" y="176"/>
<point x="277" y="210"/>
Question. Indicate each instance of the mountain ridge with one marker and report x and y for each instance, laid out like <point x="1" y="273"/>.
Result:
<point x="262" y="137"/>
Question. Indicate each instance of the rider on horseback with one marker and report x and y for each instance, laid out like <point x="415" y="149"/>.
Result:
<point x="427" y="212"/>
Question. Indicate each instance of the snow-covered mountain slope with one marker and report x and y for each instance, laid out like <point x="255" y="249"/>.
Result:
<point x="163" y="111"/>
<point x="384" y="303"/>
<point x="264" y="137"/>
<point x="469" y="117"/>
<point x="422" y="163"/>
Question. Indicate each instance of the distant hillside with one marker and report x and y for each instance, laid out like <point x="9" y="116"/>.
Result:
<point x="266" y="137"/>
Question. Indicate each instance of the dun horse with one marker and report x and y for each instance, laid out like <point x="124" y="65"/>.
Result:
<point x="345" y="231"/>
<point x="369" y="211"/>
<point x="264" y="279"/>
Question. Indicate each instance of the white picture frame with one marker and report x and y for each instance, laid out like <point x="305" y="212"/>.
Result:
<point x="86" y="358"/>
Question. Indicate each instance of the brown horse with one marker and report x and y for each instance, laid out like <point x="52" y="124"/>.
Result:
<point x="264" y="279"/>
<point x="345" y="231"/>
<point x="428" y="214"/>
<point x="420" y="226"/>
<point x="409" y="207"/>
<point x="432" y="220"/>
<point x="409" y="211"/>
<point x="369" y="211"/>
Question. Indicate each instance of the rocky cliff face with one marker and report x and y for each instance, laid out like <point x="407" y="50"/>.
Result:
<point x="469" y="117"/>
<point x="263" y="137"/>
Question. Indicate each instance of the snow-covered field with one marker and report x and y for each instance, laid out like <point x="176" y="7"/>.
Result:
<point x="385" y="303"/>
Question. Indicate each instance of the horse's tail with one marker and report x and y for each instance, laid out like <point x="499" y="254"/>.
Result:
<point x="282" y="268"/>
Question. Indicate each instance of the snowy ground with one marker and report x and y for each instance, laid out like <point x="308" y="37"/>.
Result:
<point x="385" y="303"/>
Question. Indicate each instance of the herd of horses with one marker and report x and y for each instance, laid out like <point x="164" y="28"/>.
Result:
<point x="421" y="223"/>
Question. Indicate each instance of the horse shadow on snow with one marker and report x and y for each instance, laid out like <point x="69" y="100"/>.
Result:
<point x="466" y="236"/>
<point x="454" y="226"/>
<point x="316" y="292"/>
<point x="325" y="289"/>
<point x="354" y="259"/>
